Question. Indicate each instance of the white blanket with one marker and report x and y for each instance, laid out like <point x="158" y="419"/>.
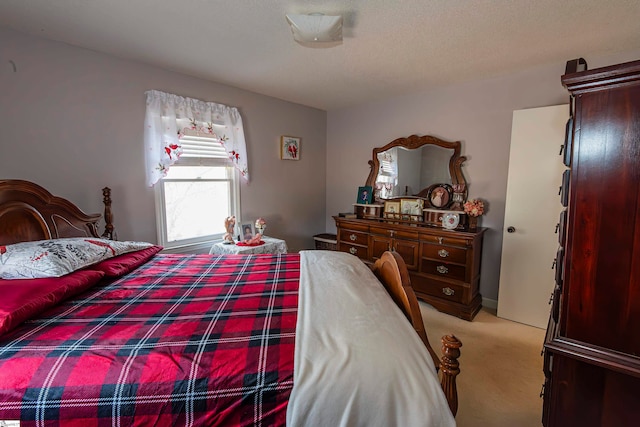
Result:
<point x="358" y="361"/>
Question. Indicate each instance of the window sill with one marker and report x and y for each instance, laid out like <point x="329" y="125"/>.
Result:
<point x="192" y="248"/>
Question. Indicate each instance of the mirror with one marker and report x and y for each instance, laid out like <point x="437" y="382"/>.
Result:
<point x="415" y="166"/>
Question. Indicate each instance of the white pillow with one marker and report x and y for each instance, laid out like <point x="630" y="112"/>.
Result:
<point x="55" y="258"/>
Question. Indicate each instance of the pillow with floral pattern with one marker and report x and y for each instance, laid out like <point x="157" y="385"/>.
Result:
<point x="55" y="258"/>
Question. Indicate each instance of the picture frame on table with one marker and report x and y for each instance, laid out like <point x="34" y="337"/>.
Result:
<point x="247" y="231"/>
<point x="365" y="195"/>
<point x="289" y="147"/>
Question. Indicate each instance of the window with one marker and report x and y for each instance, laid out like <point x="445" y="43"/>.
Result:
<point x="198" y="192"/>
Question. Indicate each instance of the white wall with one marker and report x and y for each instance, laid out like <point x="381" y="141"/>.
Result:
<point x="476" y="113"/>
<point x="72" y="121"/>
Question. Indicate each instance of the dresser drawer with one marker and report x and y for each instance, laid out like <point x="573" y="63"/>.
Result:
<point x="444" y="253"/>
<point x="444" y="240"/>
<point x="397" y="234"/>
<point x="443" y="269"/>
<point x="443" y="290"/>
<point x="353" y="225"/>
<point x="354" y="237"/>
<point x="361" y="252"/>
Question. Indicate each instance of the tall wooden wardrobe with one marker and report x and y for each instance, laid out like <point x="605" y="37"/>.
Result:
<point x="592" y="347"/>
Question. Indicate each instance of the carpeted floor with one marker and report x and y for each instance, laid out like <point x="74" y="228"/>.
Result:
<point x="501" y="368"/>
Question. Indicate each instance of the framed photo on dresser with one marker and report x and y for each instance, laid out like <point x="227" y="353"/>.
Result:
<point x="392" y="209"/>
<point x="365" y="195"/>
<point x="411" y="209"/>
<point x="440" y="196"/>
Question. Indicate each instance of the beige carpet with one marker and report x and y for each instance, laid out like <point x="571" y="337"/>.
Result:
<point x="501" y="368"/>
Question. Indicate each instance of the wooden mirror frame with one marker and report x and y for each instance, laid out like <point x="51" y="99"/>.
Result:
<point x="413" y="142"/>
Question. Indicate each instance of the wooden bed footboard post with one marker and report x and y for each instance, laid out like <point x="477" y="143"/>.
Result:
<point x="449" y="370"/>
<point x="108" y="215"/>
<point x="392" y="272"/>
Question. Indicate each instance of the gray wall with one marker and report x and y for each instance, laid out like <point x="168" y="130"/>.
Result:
<point x="476" y="113"/>
<point x="72" y="121"/>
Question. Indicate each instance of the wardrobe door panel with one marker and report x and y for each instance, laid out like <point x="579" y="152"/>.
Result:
<point x="604" y="274"/>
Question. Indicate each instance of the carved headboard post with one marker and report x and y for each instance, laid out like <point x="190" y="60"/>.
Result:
<point x="108" y="215"/>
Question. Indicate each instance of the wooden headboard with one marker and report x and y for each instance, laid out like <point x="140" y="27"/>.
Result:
<point x="28" y="212"/>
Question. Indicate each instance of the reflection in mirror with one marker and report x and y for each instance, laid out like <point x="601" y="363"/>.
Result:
<point x="411" y="166"/>
<point x="405" y="172"/>
<point x="434" y="166"/>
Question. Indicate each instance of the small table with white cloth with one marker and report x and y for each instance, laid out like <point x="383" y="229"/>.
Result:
<point x="271" y="246"/>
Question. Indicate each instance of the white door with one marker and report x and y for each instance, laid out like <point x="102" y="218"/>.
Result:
<point x="532" y="211"/>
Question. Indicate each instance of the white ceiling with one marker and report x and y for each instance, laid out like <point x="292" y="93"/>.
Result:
<point x="390" y="47"/>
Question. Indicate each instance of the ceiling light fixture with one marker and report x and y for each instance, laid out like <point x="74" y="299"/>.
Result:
<point x="316" y="29"/>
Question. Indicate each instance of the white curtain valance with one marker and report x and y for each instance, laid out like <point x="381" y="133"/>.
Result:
<point x="169" y="115"/>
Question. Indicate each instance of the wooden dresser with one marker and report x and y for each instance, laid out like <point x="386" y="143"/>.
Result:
<point x="444" y="265"/>
<point x="592" y="347"/>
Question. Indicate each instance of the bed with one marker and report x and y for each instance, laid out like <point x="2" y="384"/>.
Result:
<point x="135" y="337"/>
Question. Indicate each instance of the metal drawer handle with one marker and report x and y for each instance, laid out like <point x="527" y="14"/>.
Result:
<point x="353" y="251"/>
<point x="353" y="237"/>
<point x="443" y="253"/>
<point x="442" y="269"/>
<point x="448" y="291"/>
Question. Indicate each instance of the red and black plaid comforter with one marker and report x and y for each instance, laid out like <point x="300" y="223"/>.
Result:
<point x="184" y="340"/>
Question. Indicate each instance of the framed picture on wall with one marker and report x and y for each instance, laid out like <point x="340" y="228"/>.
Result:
<point x="289" y="148"/>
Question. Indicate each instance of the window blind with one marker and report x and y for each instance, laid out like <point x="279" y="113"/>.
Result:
<point x="202" y="147"/>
